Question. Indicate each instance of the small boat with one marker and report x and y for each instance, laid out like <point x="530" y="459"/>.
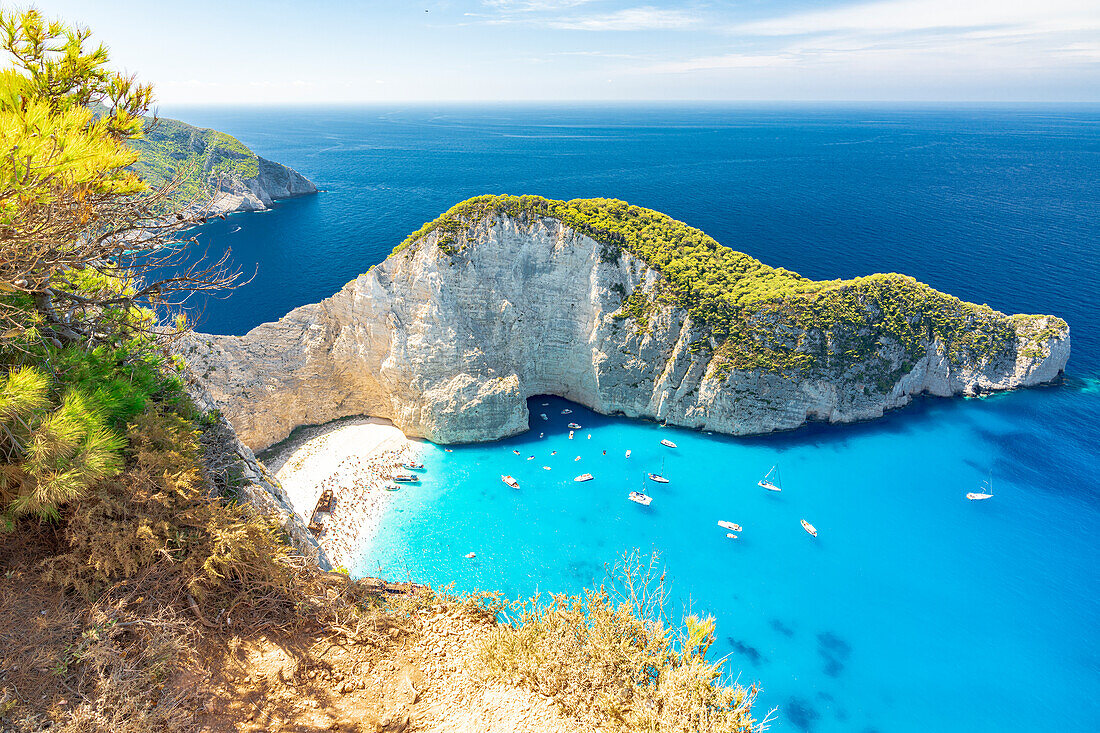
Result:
<point x="628" y="453"/>
<point x="541" y="434"/>
<point x="730" y="526"/>
<point x="567" y="411"/>
<point x="391" y="486"/>
<point x="576" y="459"/>
<point x="574" y="426"/>
<point x="769" y="482"/>
<point x="515" y="451"/>
<point x="545" y="468"/>
<point x="570" y="434"/>
<point x="584" y="477"/>
<point x="449" y="450"/>
<point x="809" y="527"/>
<point x="658" y="478"/>
<point x="407" y="478"/>
<point x="590" y="436"/>
<point x="730" y="536"/>
<point x="413" y="465"/>
<point x="510" y="481"/>
<point x="985" y="492"/>
<point x="543" y="416"/>
<point x="667" y="442"/>
<point x="639" y="498"/>
<point x="530" y="458"/>
<point x="470" y="555"/>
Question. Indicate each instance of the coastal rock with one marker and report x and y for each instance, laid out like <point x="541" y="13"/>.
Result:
<point x="213" y="170"/>
<point x="449" y="342"/>
<point x="258" y="193"/>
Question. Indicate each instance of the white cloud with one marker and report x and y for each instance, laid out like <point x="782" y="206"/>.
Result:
<point x="532" y="6"/>
<point x="897" y="16"/>
<point x="629" y="19"/>
<point x="726" y="61"/>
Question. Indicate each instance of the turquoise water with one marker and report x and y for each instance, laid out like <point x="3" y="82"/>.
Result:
<point x="914" y="609"/>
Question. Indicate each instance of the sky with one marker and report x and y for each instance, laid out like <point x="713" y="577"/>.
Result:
<point x="364" y="51"/>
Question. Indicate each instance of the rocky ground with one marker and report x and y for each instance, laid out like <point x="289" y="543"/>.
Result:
<point x="418" y="674"/>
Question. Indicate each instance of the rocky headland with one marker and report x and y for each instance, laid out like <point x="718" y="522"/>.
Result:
<point x="217" y="171"/>
<point x="618" y="308"/>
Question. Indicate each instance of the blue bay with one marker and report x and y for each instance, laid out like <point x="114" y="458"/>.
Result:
<point x="914" y="610"/>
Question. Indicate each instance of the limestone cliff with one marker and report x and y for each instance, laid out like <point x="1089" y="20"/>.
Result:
<point x="450" y="335"/>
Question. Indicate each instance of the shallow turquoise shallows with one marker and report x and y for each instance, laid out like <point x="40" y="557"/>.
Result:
<point x="914" y="609"/>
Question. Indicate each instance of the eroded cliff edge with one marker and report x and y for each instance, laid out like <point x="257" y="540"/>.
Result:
<point x="618" y="308"/>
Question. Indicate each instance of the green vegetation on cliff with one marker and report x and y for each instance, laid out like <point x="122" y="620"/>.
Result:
<point x="763" y="317"/>
<point x="200" y="155"/>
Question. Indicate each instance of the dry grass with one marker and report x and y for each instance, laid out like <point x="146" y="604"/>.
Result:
<point x="609" y="657"/>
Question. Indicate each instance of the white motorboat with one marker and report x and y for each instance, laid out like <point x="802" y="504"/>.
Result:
<point x="730" y="526"/>
<point x="413" y="466"/>
<point x="406" y="478"/>
<point x="574" y="426"/>
<point x="667" y="442"/>
<point x="584" y="477"/>
<point x="628" y="453"/>
<point x="809" y="527"/>
<point x="570" y="434"/>
<point x="391" y="486"/>
<point x="510" y="481"/>
<point x="567" y="411"/>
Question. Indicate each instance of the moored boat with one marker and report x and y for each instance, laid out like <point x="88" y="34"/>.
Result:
<point x="574" y="426"/>
<point x="566" y="411"/>
<point x="730" y="526"/>
<point x="584" y="477"/>
<point x="667" y="442"/>
<point x="406" y="478"/>
<point x="570" y="434"/>
<point x="413" y="466"/>
<point x="628" y="453"/>
<point x="771" y="482"/>
<point x="658" y="478"/>
<point x="809" y="527"/>
<point x="510" y="481"/>
<point x="639" y="498"/>
<point x="391" y="486"/>
<point x="731" y="536"/>
<point x="985" y="492"/>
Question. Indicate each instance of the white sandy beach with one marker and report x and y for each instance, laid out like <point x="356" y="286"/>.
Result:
<point x="354" y="458"/>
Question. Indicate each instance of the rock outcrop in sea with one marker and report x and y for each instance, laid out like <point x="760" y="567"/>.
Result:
<point x="499" y="301"/>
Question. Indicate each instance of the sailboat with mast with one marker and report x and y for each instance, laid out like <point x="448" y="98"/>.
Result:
<point x="771" y="480"/>
<point x="985" y="492"/>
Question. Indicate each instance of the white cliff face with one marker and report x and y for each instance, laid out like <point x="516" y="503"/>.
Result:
<point x="274" y="182"/>
<point x="450" y="346"/>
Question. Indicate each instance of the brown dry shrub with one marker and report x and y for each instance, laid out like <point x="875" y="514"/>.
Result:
<point x="158" y="511"/>
<point x="614" y="662"/>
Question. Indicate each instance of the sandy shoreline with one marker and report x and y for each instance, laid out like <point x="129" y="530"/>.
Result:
<point x="354" y="457"/>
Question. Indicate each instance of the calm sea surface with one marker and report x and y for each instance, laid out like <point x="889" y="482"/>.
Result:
<point x="914" y="610"/>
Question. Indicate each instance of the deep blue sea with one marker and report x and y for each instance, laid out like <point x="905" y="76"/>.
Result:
<point x="914" y="609"/>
